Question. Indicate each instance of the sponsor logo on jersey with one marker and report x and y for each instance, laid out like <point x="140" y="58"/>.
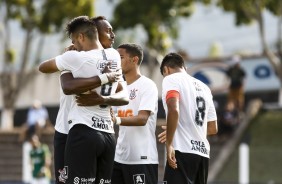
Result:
<point x="139" y="178"/>
<point x="199" y="146"/>
<point x="133" y="94"/>
<point x="125" y="113"/>
<point x="101" y="123"/>
<point x="102" y="63"/>
<point x="63" y="174"/>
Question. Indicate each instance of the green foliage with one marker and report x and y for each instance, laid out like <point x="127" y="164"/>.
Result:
<point x="159" y="18"/>
<point x="248" y="10"/>
<point x="274" y="6"/>
<point x="55" y="12"/>
<point x="48" y="15"/>
<point x="35" y="17"/>
<point x="10" y="55"/>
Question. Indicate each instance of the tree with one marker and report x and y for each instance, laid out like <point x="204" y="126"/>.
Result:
<point x="247" y="11"/>
<point x="157" y="17"/>
<point x="159" y="20"/>
<point x="37" y="19"/>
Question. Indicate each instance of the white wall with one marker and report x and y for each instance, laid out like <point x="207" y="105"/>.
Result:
<point x="44" y="87"/>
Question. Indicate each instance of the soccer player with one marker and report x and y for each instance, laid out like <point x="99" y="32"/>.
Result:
<point x="136" y="157"/>
<point x="71" y="85"/>
<point x="91" y="144"/>
<point x="190" y="116"/>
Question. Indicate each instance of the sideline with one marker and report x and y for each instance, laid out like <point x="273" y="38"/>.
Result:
<point x="228" y="148"/>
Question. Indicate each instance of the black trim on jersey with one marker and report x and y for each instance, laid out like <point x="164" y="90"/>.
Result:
<point x="104" y="54"/>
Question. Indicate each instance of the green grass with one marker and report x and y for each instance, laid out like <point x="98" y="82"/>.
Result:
<point x="265" y="135"/>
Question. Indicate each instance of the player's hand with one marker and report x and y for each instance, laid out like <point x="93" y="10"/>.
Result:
<point x="90" y="99"/>
<point x="107" y="68"/>
<point x="71" y="47"/>
<point x="113" y="76"/>
<point x="171" y="157"/>
<point x="162" y="136"/>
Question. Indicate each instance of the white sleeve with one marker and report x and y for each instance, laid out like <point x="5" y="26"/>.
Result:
<point x="211" y="111"/>
<point x="169" y="83"/>
<point x="149" y="97"/>
<point x="68" y="61"/>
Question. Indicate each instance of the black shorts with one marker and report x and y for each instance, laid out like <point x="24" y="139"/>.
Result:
<point x="89" y="156"/>
<point x="191" y="169"/>
<point x="59" y="151"/>
<point x="135" y="174"/>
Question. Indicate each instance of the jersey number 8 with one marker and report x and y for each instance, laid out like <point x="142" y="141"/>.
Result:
<point x="200" y="111"/>
<point x="106" y="90"/>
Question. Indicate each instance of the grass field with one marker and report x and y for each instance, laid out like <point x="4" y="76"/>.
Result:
<point x="265" y="138"/>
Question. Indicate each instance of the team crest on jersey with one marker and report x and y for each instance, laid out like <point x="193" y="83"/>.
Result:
<point x="133" y="94"/>
<point x="63" y="174"/>
<point x="139" y="178"/>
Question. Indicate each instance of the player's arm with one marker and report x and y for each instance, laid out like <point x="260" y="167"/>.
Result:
<point x="172" y="101"/>
<point x="145" y="108"/>
<point x="119" y="98"/>
<point x="93" y="98"/>
<point x="172" y="118"/>
<point x="71" y="85"/>
<point x="212" y="119"/>
<point x="212" y="128"/>
<point x="139" y="120"/>
<point x="48" y="66"/>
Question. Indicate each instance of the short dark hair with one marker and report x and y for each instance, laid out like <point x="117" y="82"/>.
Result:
<point x="133" y="50"/>
<point x="172" y="60"/>
<point x="82" y="24"/>
<point x="97" y="19"/>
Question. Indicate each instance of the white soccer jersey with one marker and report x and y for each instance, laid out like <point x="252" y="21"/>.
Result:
<point x="62" y="125"/>
<point x="87" y="64"/>
<point x="62" y="117"/>
<point x="196" y="109"/>
<point x="137" y="144"/>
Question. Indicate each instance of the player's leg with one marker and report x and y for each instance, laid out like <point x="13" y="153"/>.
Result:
<point x="139" y="173"/>
<point x="117" y="176"/>
<point x="144" y="172"/>
<point x="80" y="154"/>
<point x="59" y="151"/>
<point x="202" y="176"/>
<point x="186" y="171"/>
<point x="105" y="158"/>
<point x="172" y="176"/>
